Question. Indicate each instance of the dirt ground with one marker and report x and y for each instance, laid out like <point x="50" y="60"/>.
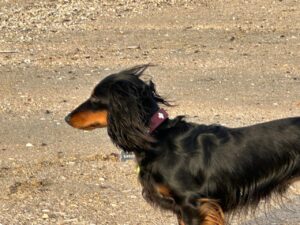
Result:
<point x="229" y="62"/>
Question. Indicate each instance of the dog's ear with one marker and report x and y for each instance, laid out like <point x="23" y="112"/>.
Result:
<point x="137" y="70"/>
<point x="126" y="118"/>
<point x="122" y="98"/>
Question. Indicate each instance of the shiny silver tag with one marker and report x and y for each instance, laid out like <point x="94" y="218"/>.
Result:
<point x="124" y="156"/>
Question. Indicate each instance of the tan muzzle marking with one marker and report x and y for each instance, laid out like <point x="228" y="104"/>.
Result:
<point x="89" y="119"/>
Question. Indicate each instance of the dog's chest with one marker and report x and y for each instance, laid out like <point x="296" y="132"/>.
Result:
<point x="156" y="193"/>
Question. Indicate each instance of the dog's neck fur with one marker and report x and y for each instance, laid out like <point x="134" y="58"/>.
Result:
<point x="132" y="135"/>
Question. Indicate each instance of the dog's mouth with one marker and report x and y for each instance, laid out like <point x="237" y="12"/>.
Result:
<point x="92" y="127"/>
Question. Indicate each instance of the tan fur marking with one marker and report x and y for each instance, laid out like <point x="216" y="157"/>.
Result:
<point x="180" y="222"/>
<point x="84" y="120"/>
<point x="163" y="190"/>
<point x="212" y="212"/>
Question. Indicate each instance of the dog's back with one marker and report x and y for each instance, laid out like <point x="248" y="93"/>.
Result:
<point x="238" y="166"/>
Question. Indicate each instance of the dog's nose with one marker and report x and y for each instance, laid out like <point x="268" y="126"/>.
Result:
<point x="68" y="118"/>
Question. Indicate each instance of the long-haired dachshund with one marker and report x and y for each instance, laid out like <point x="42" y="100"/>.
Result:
<point x="197" y="171"/>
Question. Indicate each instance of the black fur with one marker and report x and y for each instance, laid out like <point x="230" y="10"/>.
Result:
<point x="234" y="167"/>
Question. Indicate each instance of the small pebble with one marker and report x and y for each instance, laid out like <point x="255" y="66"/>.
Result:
<point x="134" y="47"/>
<point x="45" y="216"/>
<point x="113" y="205"/>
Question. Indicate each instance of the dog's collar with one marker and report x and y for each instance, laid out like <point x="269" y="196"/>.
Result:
<point x="157" y="119"/>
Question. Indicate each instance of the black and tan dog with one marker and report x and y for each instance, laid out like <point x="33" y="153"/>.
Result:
<point x="197" y="171"/>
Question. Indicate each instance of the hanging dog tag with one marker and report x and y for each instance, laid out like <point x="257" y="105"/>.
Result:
<point x="124" y="156"/>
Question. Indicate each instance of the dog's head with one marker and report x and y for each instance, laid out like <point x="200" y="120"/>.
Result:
<point x="118" y="93"/>
<point x="122" y="102"/>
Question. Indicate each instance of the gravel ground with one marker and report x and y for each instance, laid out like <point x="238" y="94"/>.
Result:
<point x="229" y="62"/>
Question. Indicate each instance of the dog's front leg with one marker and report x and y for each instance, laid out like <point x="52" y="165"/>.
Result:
<point x="207" y="212"/>
<point x="190" y="215"/>
<point x="180" y="220"/>
<point x="211" y="212"/>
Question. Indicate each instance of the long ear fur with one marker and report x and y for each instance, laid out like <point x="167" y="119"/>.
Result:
<point x="137" y="70"/>
<point x="156" y="96"/>
<point x="126" y="118"/>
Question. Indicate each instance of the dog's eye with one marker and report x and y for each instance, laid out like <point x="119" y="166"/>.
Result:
<point x="94" y="99"/>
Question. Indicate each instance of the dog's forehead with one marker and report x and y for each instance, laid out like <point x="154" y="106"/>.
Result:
<point x="109" y="80"/>
<point x="104" y="84"/>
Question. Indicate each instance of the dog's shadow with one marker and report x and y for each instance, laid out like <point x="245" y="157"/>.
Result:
<point x="282" y="213"/>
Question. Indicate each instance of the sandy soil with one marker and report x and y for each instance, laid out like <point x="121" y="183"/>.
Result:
<point x="229" y="62"/>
